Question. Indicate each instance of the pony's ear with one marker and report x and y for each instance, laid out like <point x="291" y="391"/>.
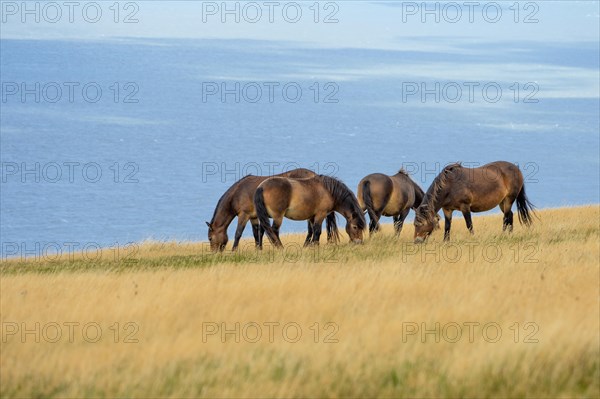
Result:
<point x="208" y="224"/>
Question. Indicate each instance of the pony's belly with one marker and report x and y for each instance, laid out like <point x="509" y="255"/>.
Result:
<point x="398" y="201"/>
<point x="487" y="202"/>
<point x="482" y="206"/>
<point x="297" y="214"/>
<point x="391" y="211"/>
<point x="395" y="206"/>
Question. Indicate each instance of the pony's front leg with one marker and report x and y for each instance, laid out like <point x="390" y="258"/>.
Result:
<point x="261" y="235"/>
<point x="242" y="220"/>
<point x="447" y="224"/>
<point x="332" y="230"/>
<point x="257" y="232"/>
<point x="467" y="214"/>
<point x="317" y="228"/>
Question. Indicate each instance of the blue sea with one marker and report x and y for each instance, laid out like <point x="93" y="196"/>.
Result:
<point x="130" y="139"/>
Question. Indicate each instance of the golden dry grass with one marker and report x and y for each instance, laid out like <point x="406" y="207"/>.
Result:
<point x="372" y="294"/>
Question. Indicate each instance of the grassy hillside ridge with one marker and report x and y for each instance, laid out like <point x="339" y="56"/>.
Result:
<point x="488" y="244"/>
<point x="386" y="318"/>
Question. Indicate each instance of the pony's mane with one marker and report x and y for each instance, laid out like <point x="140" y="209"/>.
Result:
<point x="341" y="193"/>
<point x="227" y="196"/>
<point x="402" y="171"/>
<point x="338" y="190"/>
<point x="431" y="196"/>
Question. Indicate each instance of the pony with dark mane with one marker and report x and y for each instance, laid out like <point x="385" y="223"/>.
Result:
<point x="309" y="199"/>
<point x="468" y="190"/>
<point x="383" y="195"/>
<point x="238" y="201"/>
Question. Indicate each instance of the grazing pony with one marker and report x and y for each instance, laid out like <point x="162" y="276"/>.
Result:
<point x="309" y="199"/>
<point x="238" y="201"/>
<point x="468" y="190"/>
<point x="383" y="195"/>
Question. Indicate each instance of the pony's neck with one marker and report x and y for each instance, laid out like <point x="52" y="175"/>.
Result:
<point x="435" y="198"/>
<point x="222" y="216"/>
<point x="344" y="208"/>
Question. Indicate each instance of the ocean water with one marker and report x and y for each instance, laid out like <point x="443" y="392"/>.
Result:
<point x="151" y="157"/>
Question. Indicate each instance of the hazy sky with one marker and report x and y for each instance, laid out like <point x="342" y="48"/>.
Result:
<point x="391" y="25"/>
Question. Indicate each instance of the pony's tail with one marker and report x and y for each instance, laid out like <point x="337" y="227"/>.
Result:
<point x="525" y="208"/>
<point x="333" y="235"/>
<point x="263" y="214"/>
<point x="368" y="201"/>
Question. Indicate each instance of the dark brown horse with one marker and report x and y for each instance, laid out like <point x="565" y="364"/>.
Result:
<point x="468" y="190"/>
<point x="309" y="199"/>
<point x="238" y="201"/>
<point x="383" y="195"/>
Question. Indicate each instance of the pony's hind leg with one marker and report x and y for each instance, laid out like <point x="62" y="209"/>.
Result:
<point x="447" y="223"/>
<point x="374" y="223"/>
<point x="399" y="221"/>
<point x="276" y="225"/>
<point x="507" y="221"/>
<point x="309" y="236"/>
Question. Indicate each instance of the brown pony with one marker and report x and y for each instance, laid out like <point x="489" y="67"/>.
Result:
<point x="383" y="195"/>
<point x="238" y="201"/>
<point x="309" y="199"/>
<point x="473" y="190"/>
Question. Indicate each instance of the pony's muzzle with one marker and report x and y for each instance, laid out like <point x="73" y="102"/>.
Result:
<point x="356" y="241"/>
<point x="419" y="240"/>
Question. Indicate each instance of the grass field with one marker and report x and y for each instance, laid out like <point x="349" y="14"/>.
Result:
<point x="488" y="315"/>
